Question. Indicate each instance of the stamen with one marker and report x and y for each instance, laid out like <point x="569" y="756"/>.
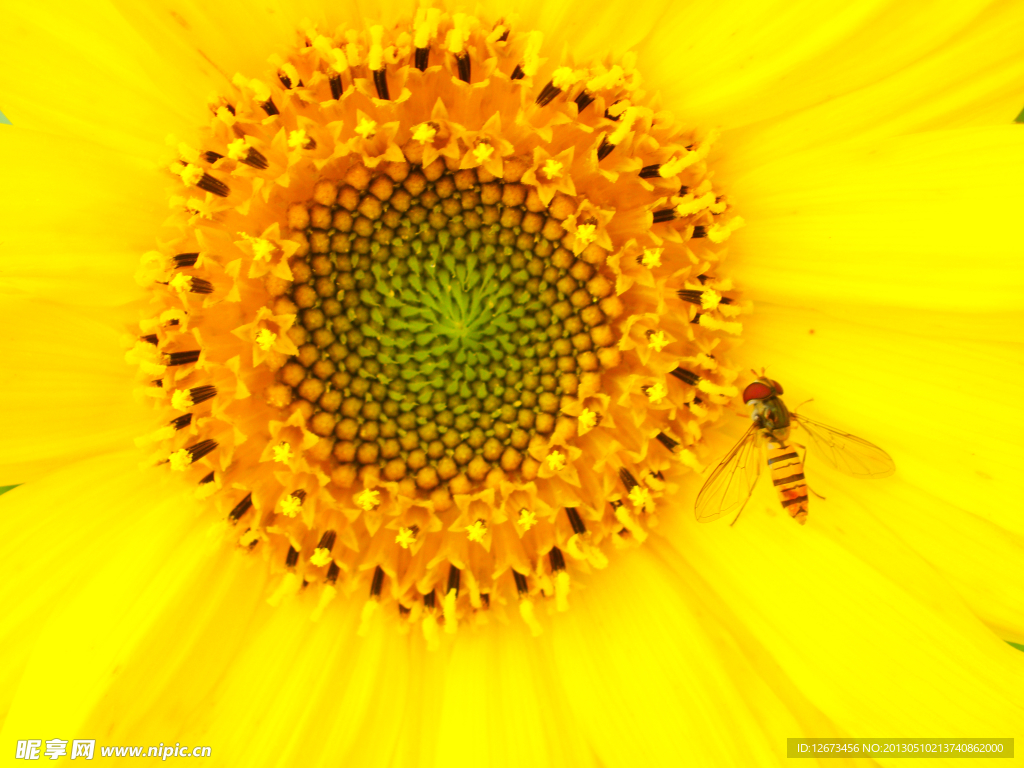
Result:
<point x="270" y="108"/>
<point x="650" y="171"/>
<point x="256" y="159"/>
<point x="453" y="579"/>
<point x="627" y="479"/>
<point x="185" y="457"/>
<point x="201" y="394"/>
<point x="575" y="520"/>
<point x="380" y="81"/>
<point x="241" y="508"/>
<point x="557" y="560"/>
<point x="462" y="60"/>
<point x="150" y="338"/>
<point x="583" y="100"/>
<point x="547" y="94"/>
<point x="517" y="73"/>
<point x="378" y="582"/>
<point x="183" y="358"/>
<point x="199" y="285"/>
<point x="182" y="421"/>
<point x="429" y="600"/>
<point x="686" y="376"/>
<point x="336" y="86"/>
<point x="422" y="59"/>
<point x="605" y="149"/>
<point x="185" y="260"/>
<point x="216" y="186"/>
<point x="212" y="157"/>
<point x="293" y="557"/>
<point x="665" y="214"/>
<point x="327" y="541"/>
<point x="333" y="572"/>
<point x="208" y="478"/>
<point x="667" y="441"/>
<point x="521" y="586"/>
<point x="699" y="231"/>
<point x="696" y="297"/>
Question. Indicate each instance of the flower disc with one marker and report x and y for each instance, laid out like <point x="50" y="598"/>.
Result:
<point x="427" y="331"/>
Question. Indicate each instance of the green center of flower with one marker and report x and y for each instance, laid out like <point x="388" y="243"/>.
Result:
<point x="440" y="322"/>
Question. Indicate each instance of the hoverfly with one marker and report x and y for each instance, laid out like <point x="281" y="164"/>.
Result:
<point x="732" y="483"/>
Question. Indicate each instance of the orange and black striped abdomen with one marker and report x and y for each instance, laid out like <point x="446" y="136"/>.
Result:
<point x="787" y="472"/>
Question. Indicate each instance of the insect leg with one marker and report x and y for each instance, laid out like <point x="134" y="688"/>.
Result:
<point x="803" y="460"/>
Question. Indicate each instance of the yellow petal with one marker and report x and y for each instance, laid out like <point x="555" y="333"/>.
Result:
<point x="94" y="550"/>
<point x="933" y="389"/>
<point x="84" y="217"/>
<point x="723" y="63"/>
<point x="904" y="224"/>
<point x="844" y="622"/>
<point x="66" y="389"/>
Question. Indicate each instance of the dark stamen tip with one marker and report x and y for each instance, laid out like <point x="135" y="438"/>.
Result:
<point x="285" y="80"/>
<point x="150" y="338"/>
<point x="521" y="586"/>
<point x="212" y="157"/>
<point x="183" y="358"/>
<point x="336" y="87"/>
<point x="700" y="231"/>
<point x="270" y="108"/>
<point x="627" y="479"/>
<point x="422" y="59"/>
<point x="201" y="449"/>
<point x="380" y="80"/>
<point x="453" y="579"/>
<point x="575" y="520"/>
<point x="198" y="285"/>
<point x="667" y="441"/>
<point x="605" y="149"/>
<point x="256" y="159"/>
<point x="377" y="583"/>
<point x="685" y="376"/>
<point x="293" y="557"/>
<point x="327" y="541"/>
<point x="216" y="186"/>
<point x="241" y="508"/>
<point x="517" y="73"/>
<point x="182" y="421"/>
<point x="463" y="63"/>
<point x="185" y="260"/>
<point x="547" y="94"/>
<point x="333" y="572"/>
<point x="429" y="600"/>
<point x="557" y="560"/>
<point x="583" y="100"/>
<point x="650" y="171"/>
<point x="202" y="394"/>
<point x="665" y="214"/>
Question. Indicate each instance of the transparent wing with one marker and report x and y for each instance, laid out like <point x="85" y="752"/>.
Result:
<point x="846" y="452"/>
<point x="730" y="485"/>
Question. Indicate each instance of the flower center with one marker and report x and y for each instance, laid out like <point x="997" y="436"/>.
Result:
<point x="434" y="322"/>
<point x="441" y="321"/>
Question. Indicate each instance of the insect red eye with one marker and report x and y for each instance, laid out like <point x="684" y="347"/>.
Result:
<point x="756" y="391"/>
<point x="778" y="387"/>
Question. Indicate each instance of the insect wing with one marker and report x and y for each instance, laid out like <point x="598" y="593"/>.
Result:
<point x="846" y="452"/>
<point x="732" y="482"/>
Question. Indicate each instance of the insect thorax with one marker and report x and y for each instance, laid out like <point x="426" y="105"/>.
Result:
<point x="772" y="417"/>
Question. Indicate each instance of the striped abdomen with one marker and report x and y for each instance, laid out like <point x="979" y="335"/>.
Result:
<point x="787" y="472"/>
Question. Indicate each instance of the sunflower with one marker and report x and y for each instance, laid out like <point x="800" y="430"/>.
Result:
<point x="432" y="320"/>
